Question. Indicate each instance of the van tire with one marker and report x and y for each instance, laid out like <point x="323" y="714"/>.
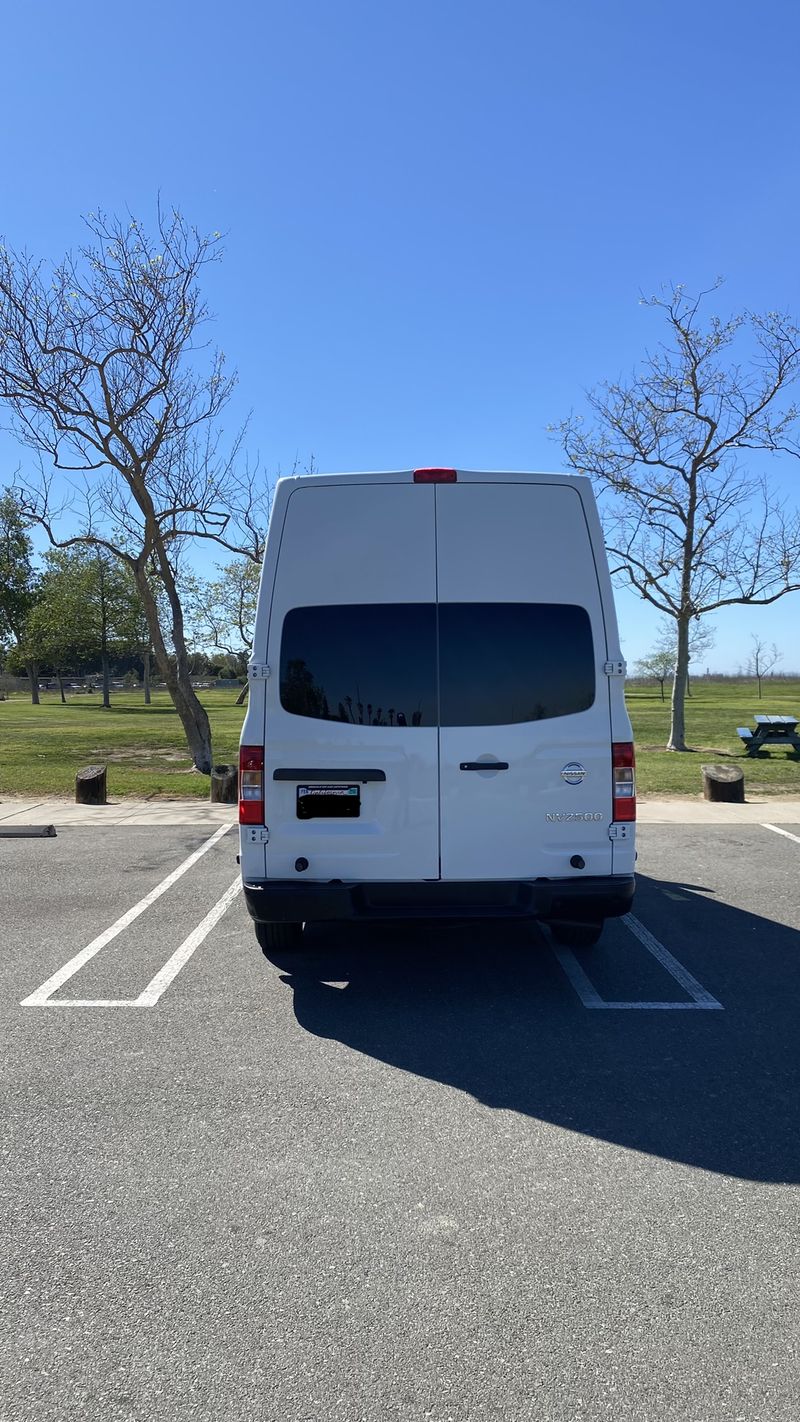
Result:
<point x="279" y="937"/>
<point x="576" y="935"/>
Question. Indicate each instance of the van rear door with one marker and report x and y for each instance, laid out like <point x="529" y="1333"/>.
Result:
<point x="351" y="738"/>
<point x="522" y="688"/>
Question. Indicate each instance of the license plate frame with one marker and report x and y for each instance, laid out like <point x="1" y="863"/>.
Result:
<point x="328" y="802"/>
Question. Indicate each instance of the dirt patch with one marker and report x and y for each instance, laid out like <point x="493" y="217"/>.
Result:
<point x="142" y="753"/>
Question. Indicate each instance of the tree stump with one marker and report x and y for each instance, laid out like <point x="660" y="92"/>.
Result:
<point x="90" y="785"/>
<point x="224" y="785"/>
<point x="723" y="783"/>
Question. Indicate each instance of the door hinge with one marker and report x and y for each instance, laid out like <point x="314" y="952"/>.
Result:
<point x="258" y="671"/>
<point x="256" y="834"/>
<point x="621" y="831"/>
<point x="614" y="668"/>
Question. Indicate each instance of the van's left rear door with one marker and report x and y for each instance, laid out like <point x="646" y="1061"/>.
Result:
<point x="352" y="690"/>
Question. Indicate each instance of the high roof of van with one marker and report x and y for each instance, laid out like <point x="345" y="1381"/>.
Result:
<point x="466" y="476"/>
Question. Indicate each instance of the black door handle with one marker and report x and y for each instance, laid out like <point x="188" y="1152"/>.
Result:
<point x="484" y="765"/>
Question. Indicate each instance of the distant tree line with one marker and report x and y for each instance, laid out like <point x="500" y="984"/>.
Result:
<point x="77" y="613"/>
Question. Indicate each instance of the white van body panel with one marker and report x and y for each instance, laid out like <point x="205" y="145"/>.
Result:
<point x="518" y="543"/>
<point x="381" y="538"/>
<point x="350" y="544"/>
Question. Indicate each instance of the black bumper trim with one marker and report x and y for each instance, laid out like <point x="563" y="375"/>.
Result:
<point x="570" y="900"/>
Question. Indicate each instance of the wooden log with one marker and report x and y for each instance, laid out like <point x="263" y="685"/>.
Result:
<point x="90" y="785"/>
<point x="723" y="783"/>
<point x="224" y="785"/>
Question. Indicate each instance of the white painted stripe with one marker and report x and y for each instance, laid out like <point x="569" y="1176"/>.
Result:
<point x="585" y="989"/>
<point x="776" y="829"/>
<point x="663" y="1006"/>
<point x="702" y="1001"/>
<point x="89" y="1002"/>
<point x="181" y="956"/>
<point x="665" y="958"/>
<point x="40" y="997"/>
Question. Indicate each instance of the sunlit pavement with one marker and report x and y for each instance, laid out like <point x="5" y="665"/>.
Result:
<point x="411" y="1172"/>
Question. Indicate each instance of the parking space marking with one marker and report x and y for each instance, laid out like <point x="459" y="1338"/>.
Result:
<point x="776" y="829"/>
<point x="42" y="997"/>
<point x="681" y="975"/>
<point x="159" y="984"/>
<point x="181" y="956"/>
<point x="702" y="1000"/>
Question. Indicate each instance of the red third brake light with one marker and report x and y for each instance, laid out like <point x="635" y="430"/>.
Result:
<point x="623" y="761"/>
<point x="435" y="476"/>
<point x="251" y="785"/>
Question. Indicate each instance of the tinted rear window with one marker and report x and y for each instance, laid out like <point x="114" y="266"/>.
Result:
<point x="372" y="664"/>
<point x="499" y="663"/>
<point x="504" y="662"/>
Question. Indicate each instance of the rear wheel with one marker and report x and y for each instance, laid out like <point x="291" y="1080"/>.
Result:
<point x="279" y="937"/>
<point x="576" y="935"/>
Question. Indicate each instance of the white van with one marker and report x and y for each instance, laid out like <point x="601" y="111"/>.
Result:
<point x="436" y="724"/>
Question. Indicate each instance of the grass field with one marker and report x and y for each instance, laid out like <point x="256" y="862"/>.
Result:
<point x="41" y="747"/>
<point x="713" y="712"/>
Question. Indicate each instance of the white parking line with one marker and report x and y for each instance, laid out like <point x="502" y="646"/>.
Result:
<point x="181" y="956"/>
<point x="43" y="995"/>
<point x="159" y="984"/>
<point x="701" y="997"/>
<point x="702" y="1001"/>
<point x="776" y="829"/>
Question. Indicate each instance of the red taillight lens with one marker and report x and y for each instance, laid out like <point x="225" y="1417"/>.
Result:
<point x="251" y="785"/>
<point x="435" y="476"/>
<point x="623" y="761"/>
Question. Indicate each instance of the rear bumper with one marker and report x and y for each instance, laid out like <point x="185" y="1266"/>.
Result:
<point x="570" y="900"/>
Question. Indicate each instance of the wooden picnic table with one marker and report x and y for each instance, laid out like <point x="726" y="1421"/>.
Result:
<point x="769" y="731"/>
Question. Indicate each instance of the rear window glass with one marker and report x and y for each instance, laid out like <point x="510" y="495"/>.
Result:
<point x="375" y="664"/>
<point x="504" y="662"/>
<point x="372" y="664"/>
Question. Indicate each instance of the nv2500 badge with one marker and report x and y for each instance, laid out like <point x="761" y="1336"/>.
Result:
<point x="560" y="817"/>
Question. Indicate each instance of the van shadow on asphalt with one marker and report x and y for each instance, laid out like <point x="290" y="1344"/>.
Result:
<point x="485" y="1008"/>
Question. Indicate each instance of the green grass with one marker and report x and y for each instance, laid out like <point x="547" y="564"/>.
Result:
<point x="41" y="747"/>
<point x="713" y="712"/>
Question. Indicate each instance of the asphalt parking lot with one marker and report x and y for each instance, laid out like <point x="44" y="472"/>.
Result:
<point x="429" y="1172"/>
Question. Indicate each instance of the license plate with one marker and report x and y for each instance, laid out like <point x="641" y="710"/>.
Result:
<point x="316" y="802"/>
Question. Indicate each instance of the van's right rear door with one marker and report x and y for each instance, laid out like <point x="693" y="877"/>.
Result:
<point x="522" y="688"/>
<point x="351" y="698"/>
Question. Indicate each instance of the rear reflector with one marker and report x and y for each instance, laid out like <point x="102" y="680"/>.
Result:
<point x="435" y="476"/>
<point x="623" y="761"/>
<point x="251" y="785"/>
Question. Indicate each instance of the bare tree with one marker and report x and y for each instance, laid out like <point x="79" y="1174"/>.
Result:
<point x="102" y="368"/>
<point x="223" y="609"/>
<point x="657" y="665"/>
<point x="660" y="662"/>
<point x="762" y="660"/>
<point x="701" y="640"/>
<point x="688" y="525"/>
<point x="19" y="589"/>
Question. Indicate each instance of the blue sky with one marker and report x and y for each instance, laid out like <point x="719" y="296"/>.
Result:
<point x="440" y="215"/>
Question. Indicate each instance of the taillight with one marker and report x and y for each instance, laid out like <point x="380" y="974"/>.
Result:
<point x="435" y="476"/>
<point x="251" y="785"/>
<point x="623" y="761"/>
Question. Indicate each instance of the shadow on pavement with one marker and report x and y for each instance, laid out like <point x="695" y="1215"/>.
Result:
<point x="485" y="1008"/>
